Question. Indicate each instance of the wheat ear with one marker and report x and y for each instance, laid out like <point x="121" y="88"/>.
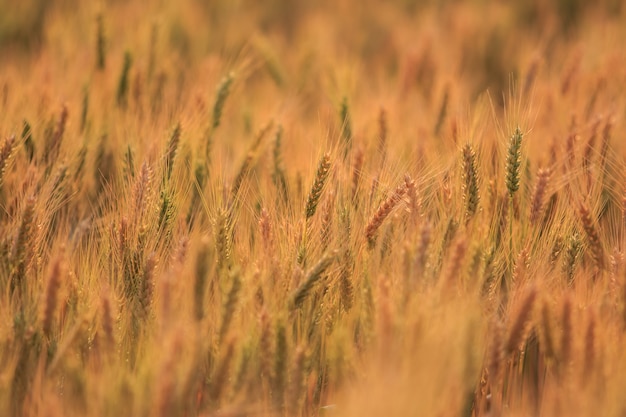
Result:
<point x="597" y="252"/>
<point x="381" y="214"/>
<point x="323" y="169"/>
<point x="471" y="191"/>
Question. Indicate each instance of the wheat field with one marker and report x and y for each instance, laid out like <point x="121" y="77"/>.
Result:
<point x="332" y="208"/>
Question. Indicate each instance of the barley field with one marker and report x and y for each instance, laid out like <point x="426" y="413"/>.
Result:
<point x="333" y="208"/>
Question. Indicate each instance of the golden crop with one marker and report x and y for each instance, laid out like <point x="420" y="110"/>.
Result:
<point x="331" y="208"/>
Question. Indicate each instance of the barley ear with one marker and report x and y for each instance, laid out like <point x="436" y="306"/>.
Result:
<point x="200" y="176"/>
<point x="326" y="228"/>
<point x="266" y="230"/>
<point x="471" y="192"/>
<point x="27" y="137"/>
<point x="21" y="246"/>
<point x="223" y="239"/>
<point x="141" y="194"/>
<point x="381" y="214"/>
<point x="513" y="162"/>
<point x="223" y="91"/>
<point x="572" y="254"/>
<point x="321" y="176"/>
<point x="278" y="174"/>
<point x="172" y="148"/>
<point x="357" y="169"/>
<point x="53" y="142"/>
<point x="539" y="195"/>
<point x="595" y="244"/>
<point x="414" y="203"/>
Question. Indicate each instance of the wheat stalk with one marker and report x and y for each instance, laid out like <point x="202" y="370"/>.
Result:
<point x="513" y="162"/>
<point x="313" y="275"/>
<point x="381" y="214"/>
<point x="414" y="203"/>
<point x="471" y="191"/>
<point x="357" y="169"/>
<point x="323" y="169"/>
<point x="597" y="252"/>
<point x="223" y="241"/>
<point x="278" y="175"/>
<point x="223" y="91"/>
<point x="538" y="199"/>
<point x="141" y="192"/>
<point x="327" y="220"/>
<point x="21" y="248"/>
<point x="172" y="148"/>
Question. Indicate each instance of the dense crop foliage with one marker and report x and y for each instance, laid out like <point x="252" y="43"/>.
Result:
<point x="334" y="208"/>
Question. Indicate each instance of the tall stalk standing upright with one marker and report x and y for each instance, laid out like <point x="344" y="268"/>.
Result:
<point x="513" y="162"/>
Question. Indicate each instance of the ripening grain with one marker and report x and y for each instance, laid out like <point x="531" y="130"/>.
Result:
<point x="299" y="209"/>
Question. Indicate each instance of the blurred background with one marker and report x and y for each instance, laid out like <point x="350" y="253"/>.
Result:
<point x="418" y="42"/>
<point x="435" y="58"/>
